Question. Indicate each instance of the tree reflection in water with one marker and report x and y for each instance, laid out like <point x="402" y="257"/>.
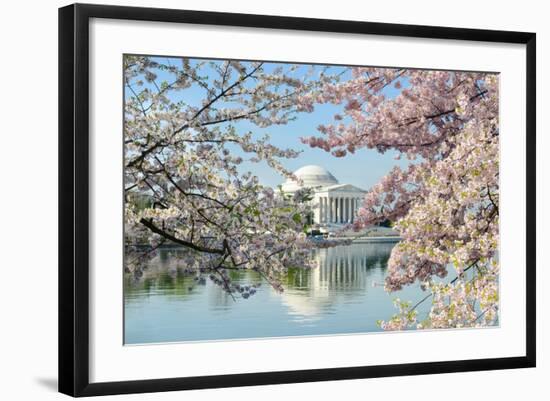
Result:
<point x="342" y="294"/>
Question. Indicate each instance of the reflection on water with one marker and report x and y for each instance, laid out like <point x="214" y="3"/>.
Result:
<point x="343" y="294"/>
<point x="343" y="274"/>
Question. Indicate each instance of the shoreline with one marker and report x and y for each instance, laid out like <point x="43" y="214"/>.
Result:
<point x="356" y="240"/>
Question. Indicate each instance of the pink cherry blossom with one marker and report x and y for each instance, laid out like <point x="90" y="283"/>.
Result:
<point x="445" y="204"/>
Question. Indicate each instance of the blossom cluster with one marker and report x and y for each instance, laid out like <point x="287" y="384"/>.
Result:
<point x="180" y="154"/>
<point x="445" y="204"/>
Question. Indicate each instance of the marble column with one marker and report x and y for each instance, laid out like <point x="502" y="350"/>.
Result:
<point x="344" y="215"/>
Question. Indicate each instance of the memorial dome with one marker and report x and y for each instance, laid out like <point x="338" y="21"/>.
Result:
<point x="312" y="177"/>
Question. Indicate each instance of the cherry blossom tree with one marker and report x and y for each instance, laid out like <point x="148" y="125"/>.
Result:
<point x="445" y="205"/>
<point x="185" y="155"/>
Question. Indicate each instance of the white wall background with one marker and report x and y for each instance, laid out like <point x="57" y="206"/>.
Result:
<point x="28" y="203"/>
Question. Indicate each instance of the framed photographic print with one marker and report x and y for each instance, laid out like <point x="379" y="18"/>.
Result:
<point x="249" y="199"/>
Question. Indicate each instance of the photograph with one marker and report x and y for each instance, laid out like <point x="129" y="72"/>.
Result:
<point x="275" y="199"/>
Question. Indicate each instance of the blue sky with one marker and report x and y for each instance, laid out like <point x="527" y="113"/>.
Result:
<point x="363" y="169"/>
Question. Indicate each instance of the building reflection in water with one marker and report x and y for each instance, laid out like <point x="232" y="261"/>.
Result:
<point x="336" y="296"/>
<point x="342" y="274"/>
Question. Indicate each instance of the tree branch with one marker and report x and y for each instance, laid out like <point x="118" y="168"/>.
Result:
<point x="149" y="224"/>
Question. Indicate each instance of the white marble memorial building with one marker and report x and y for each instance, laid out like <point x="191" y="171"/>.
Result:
<point x="335" y="203"/>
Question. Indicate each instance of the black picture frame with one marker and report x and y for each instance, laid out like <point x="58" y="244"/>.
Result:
<point x="74" y="198"/>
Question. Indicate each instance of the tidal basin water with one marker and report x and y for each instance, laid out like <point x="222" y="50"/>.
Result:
<point x="344" y="294"/>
